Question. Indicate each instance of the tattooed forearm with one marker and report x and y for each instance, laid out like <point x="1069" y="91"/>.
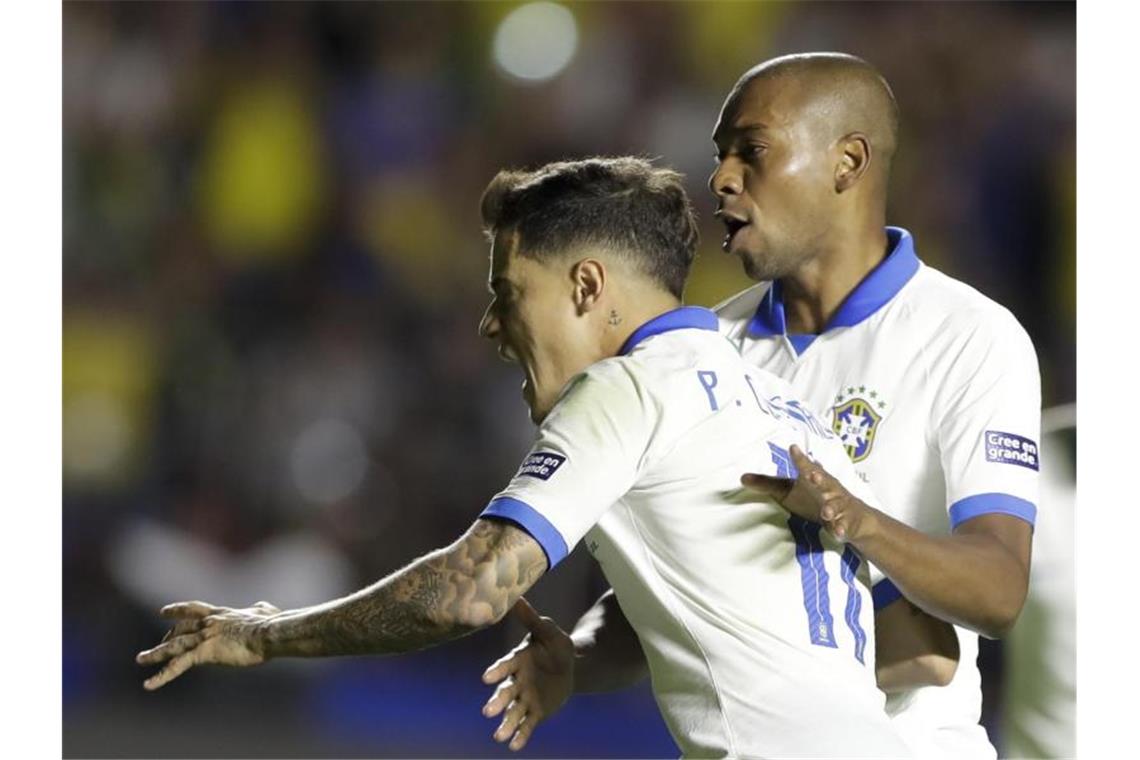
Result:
<point x="441" y="596"/>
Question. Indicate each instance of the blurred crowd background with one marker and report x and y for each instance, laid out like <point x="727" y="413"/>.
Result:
<point x="273" y="271"/>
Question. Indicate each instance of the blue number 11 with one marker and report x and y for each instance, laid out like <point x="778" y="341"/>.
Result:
<point x="813" y="574"/>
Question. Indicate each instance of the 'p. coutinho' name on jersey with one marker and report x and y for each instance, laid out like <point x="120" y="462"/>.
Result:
<point x="934" y="391"/>
<point x="757" y="626"/>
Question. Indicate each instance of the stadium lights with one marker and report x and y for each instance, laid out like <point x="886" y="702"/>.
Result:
<point x="535" y="42"/>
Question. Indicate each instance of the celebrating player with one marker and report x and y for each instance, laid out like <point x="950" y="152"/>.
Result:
<point x="755" y="624"/>
<point x="932" y="388"/>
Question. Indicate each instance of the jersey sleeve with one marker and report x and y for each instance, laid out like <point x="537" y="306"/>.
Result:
<point x="988" y="419"/>
<point x="588" y="454"/>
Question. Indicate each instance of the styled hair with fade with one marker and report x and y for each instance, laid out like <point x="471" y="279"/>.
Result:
<point x="623" y="204"/>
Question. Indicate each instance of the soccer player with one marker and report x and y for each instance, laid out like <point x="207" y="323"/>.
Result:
<point x="933" y="388"/>
<point x="755" y="624"/>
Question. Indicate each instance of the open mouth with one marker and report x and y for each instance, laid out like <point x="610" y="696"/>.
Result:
<point x="509" y="355"/>
<point x="732" y="225"/>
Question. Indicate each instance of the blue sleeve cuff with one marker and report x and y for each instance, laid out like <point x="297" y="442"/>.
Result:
<point x="991" y="504"/>
<point x="529" y="519"/>
<point x="884" y="593"/>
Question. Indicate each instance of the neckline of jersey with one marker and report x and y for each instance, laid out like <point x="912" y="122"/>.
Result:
<point x="681" y="318"/>
<point x="872" y="293"/>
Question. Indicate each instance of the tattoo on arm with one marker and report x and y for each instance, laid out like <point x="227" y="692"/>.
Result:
<point x="441" y="596"/>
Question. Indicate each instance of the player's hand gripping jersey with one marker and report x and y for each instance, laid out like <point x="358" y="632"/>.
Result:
<point x="757" y="627"/>
<point x="934" y="391"/>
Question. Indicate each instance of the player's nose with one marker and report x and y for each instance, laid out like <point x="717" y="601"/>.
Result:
<point x="726" y="180"/>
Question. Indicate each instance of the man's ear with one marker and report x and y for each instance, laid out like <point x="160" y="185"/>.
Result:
<point x="854" y="159"/>
<point x="589" y="279"/>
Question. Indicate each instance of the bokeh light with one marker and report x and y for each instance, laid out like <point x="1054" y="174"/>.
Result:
<point x="329" y="461"/>
<point x="535" y="42"/>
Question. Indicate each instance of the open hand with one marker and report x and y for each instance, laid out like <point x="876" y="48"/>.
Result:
<point x="535" y="678"/>
<point x="204" y="634"/>
<point x="813" y="495"/>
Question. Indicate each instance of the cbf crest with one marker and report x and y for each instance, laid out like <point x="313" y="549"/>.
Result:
<point x="855" y="419"/>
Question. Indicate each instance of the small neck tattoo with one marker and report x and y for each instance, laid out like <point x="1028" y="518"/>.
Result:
<point x="614" y="320"/>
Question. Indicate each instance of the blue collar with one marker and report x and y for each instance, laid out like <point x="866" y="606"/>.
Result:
<point x="681" y="318"/>
<point x="870" y="295"/>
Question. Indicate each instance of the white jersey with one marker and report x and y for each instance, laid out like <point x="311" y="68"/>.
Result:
<point x="757" y="627"/>
<point x="934" y="391"/>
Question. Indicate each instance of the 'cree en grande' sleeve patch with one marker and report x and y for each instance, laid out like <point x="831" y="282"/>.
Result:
<point x="1008" y="448"/>
<point x="541" y="465"/>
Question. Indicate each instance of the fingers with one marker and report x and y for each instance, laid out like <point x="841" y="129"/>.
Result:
<point x="514" y="716"/>
<point x="176" y="646"/>
<point x="502" y="697"/>
<point x="501" y="668"/>
<point x="775" y="488"/>
<point x="541" y="627"/>
<point x="189" y="610"/>
<point x="833" y="500"/>
<point x="522" y="734"/>
<point x="183" y="627"/>
<point x="173" y="669"/>
<point x="799" y="458"/>
<point x="526" y="614"/>
<point x="808" y="467"/>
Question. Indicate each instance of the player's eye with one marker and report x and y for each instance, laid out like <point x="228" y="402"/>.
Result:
<point x="748" y="153"/>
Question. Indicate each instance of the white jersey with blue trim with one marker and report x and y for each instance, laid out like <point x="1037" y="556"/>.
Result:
<point x="935" y="393"/>
<point x="757" y="627"/>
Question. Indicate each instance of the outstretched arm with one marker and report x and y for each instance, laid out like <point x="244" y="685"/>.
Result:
<point x="441" y="596"/>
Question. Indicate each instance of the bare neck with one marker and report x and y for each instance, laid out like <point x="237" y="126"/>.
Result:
<point x="623" y="318"/>
<point x="817" y="289"/>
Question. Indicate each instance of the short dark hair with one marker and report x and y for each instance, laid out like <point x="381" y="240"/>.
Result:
<point x="624" y="204"/>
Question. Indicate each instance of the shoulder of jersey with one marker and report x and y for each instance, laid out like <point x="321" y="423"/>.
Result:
<point x="957" y="307"/>
<point x="614" y="370"/>
<point x="614" y="375"/>
<point x="667" y="353"/>
<point x="657" y="365"/>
